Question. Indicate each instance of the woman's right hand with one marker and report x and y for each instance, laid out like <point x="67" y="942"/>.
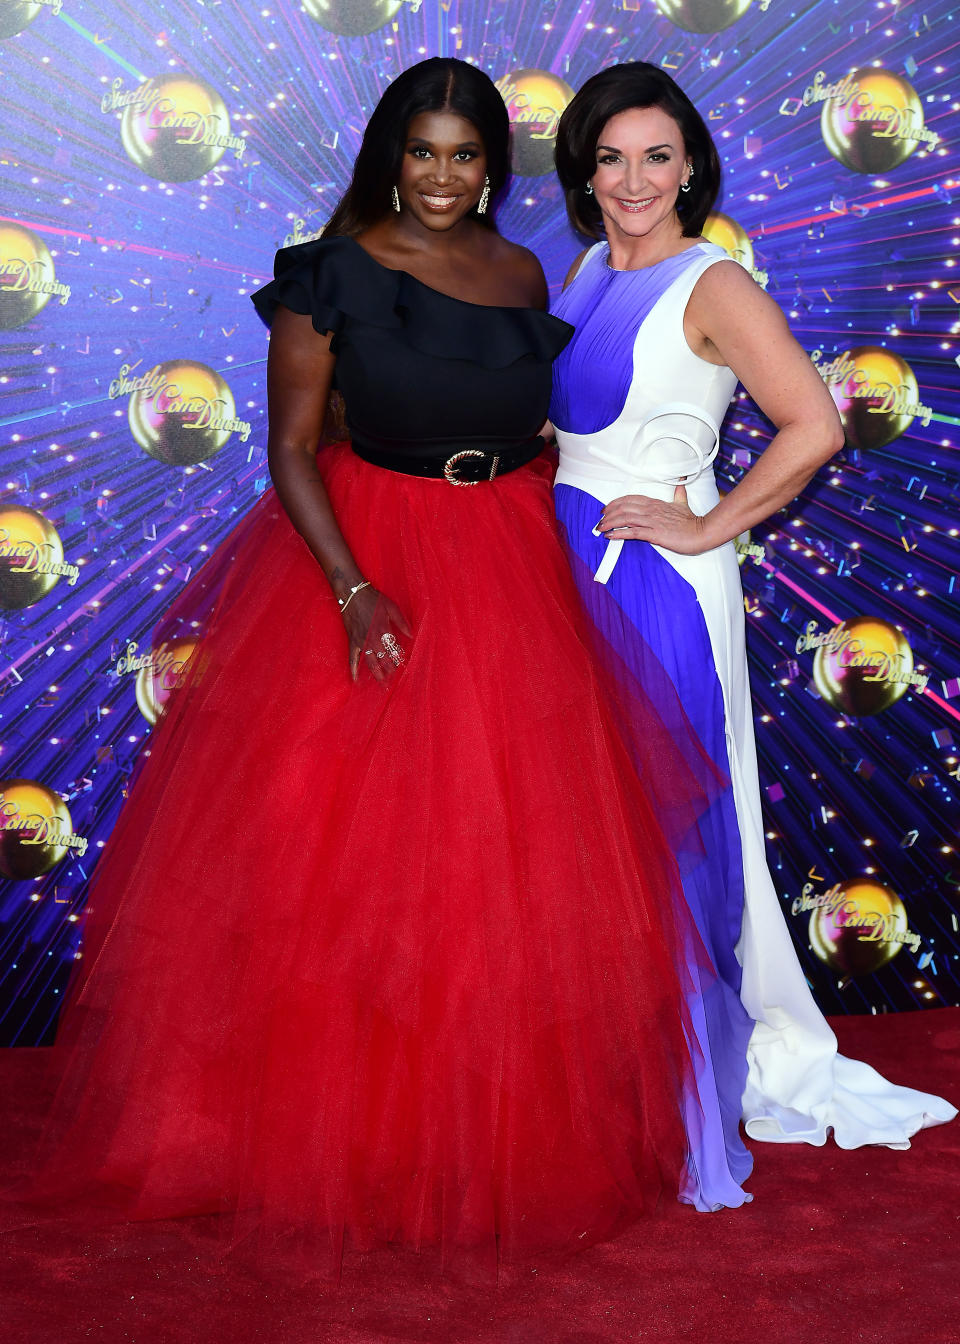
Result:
<point x="378" y="634"/>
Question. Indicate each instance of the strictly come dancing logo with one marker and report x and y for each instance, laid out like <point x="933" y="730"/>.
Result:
<point x="299" y="233"/>
<point x="31" y="558"/>
<point x="855" y="927"/>
<point x="861" y="666"/>
<point x="871" y="120"/>
<point x="28" y="280"/>
<point x="36" y="829"/>
<point x="876" y="393"/>
<point x="181" y="412"/>
<point x="173" y="127"/>
<point x="535" y="100"/>
<point x="159" y="672"/>
<point x="746" y="550"/>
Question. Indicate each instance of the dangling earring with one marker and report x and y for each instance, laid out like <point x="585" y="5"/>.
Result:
<point x="395" y="197"/>
<point x="686" y="185"/>
<point x="589" y="189"/>
<point x="484" y="200"/>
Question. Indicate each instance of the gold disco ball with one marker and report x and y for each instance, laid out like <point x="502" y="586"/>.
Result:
<point x="34" y="825"/>
<point x="871" y="132"/>
<point x="176" y="133"/>
<point x="703" y="16"/>
<point x="873" y="397"/>
<point x="30" y="551"/>
<point x="163" y="675"/>
<point x="15" y="15"/>
<point x="727" y="233"/>
<point x="535" y="99"/>
<point x="25" y="267"/>
<point x="858" y="931"/>
<point x="352" y="18"/>
<point x="184" y="415"/>
<point x="863" y="670"/>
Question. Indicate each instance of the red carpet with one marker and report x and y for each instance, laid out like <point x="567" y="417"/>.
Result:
<point x="850" y="1247"/>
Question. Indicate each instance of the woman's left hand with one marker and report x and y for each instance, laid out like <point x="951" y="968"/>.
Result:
<point x="672" y="525"/>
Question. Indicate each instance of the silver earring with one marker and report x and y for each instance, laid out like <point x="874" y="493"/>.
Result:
<point x="395" y="197"/>
<point x="484" y="197"/>
<point x="589" y="189"/>
<point x="686" y="185"/>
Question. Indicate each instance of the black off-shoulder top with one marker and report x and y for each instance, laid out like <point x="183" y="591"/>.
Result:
<point x="417" y="368"/>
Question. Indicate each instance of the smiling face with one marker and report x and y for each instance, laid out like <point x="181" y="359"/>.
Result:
<point x="641" y="166"/>
<point x="443" y="169"/>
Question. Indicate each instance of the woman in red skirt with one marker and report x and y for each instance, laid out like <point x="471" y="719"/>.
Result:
<point x="381" y="948"/>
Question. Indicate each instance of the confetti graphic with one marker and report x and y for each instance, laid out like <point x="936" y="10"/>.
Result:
<point x="154" y="156"/>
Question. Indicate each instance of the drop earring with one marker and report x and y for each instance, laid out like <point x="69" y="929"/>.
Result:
<point x="686" y="185"/>
<point x="484" y="200"/>
<point x="589" y="189"/>
<point x="395" y="198"/>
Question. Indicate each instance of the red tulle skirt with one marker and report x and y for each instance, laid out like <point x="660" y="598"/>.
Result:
<point x="366" y="966"/>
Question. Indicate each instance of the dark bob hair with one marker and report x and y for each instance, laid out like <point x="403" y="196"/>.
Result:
<point x="440" y="84"/>
<point x="618" y="89"/>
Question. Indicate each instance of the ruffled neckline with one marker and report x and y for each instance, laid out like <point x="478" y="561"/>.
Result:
<point x="337" y="278"/>
<point x="440" y="293"/>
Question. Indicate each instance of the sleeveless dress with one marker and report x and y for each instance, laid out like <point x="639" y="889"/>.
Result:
<point x="637" y="412"/>
<point x="398" y="965"/>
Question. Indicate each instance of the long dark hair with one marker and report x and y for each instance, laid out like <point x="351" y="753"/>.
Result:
<point x="440" y="84"/>
<point x="615" y="90"/>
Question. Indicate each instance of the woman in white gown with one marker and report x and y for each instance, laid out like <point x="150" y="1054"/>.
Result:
<point x="665" y="326"/>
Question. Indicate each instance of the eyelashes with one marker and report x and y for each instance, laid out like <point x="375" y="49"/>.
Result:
<point x="658" y="158"/>
<point x="422" y="152"/>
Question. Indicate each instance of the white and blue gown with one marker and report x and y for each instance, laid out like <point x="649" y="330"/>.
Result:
<point x="637" y="412"/>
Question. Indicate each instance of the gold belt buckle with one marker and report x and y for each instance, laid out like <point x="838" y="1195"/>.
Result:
<point x="450" y="466"/>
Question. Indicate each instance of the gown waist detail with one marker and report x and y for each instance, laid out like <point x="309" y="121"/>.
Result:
<point x="675" y="444"/>
<point x="460" y="462"/>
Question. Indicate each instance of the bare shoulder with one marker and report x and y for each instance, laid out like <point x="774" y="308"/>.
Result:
<point x="575" y="267"/>
<point x="727" y="304"/>
<point x="730" y="320"/>
<point x="726" y="290"/>
<point x="522" y="271"/>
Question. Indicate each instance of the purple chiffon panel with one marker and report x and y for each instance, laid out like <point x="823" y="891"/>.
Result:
<point x="592" y="375"/>
<point x="650" y="623"/>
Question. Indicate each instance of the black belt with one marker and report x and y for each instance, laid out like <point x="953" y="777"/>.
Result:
<point x="457" y="466"/>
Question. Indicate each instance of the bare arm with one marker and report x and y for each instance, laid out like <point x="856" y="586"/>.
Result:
<point x="530" y="281"/>
<point x="750" y="334"/>
<point x="299" y="376"/>
<point x="731" y="321"/>
<point x="571" y="275"/>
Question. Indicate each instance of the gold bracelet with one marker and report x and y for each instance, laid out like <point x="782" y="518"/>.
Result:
<point x="344" y="602"/>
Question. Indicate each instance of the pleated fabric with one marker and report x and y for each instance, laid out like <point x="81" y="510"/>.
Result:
<point x="649" y="619"/>
<point x="371" y="966"/>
